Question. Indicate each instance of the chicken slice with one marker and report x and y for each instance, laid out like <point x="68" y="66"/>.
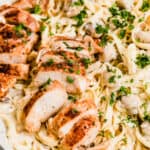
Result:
<point x="20" y="71"/>
<point x="71" y="76"/>
<point x="46" y="56"/>
<point x="71" y="114"/>
<point x="61" y="43"/>
<point x="19" y="40"/>
<point x="14" y="15"/>
<point x="12" y="58"/>
<point x="6" y="82"/>
<point x="43" y="105"/>
<point x="82" y="133"/>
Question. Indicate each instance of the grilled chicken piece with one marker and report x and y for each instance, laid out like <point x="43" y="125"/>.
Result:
<point x="43" y="105"/>
<point x="14" y="15"/>
<point x="6" y="82"/>
<point x="26" y="4"/>
<point x="82" y="133"/>
<point x="60" y="43"/>
<point x="71" y="76"/>
<point x="71" y="114"/>
<point x="46" y="56"/>
<point x="17" y="37"/>
<point x="83" y="47"/>
<point x="12" y="58"/>
<point x="20" y="71"/>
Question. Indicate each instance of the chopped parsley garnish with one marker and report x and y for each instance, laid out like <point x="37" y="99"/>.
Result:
<point x="145" y="5"/>
<point x="19" y="27"/>
<point x="104" y="40"/>
<point x="142" y="60"/>
<point x="112" y="79"/>
<point x="86" y="62"/>
<point x="123" y="91"/>
<point x="43" y="86"/>
<point x="48" y="63"/>
<point x="122" y="33"/>
<point x="78" y="3"/>
<point x="70" y="62"/>
<point x="72" y="98"/>
<point x="100" y="29"/>
<point x="42" y="28"/>
<point x="130" y="120"/>
<point x="112" y="98"/>
<point x="69" y="79"/>
<point x="146" y="116"/>
<point x="100" y="114"/>
<point x="74" y="111"/>
<point x="79" y="18"/>
<point x="121" y="18"/>
<point x="114" y="10"/>
<point x="36" y="9"/>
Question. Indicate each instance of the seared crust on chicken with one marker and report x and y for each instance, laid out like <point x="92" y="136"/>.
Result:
<point x="14" y="15"/>
<point x="6" y="82"/>
<point x="19" y="40"/>
<point x="69" y="115"/>
<point x="20" y="71"/>
<point x="43" y="105"/>
<point x="82" y="133"/>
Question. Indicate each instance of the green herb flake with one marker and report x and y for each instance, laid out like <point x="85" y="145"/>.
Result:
<point x="36" y="9"/>
<point x="122" y="34"/>
<point x="145" y="5"/>
<point x="74" y="111"/>
<point x="100" y="29"/>
<point x="79" y="18"/>
<point x="78" y="3"/>
<point x="72" y="98"/>
<point x="43" y="86"/>
<point x="69" y="79"/>
<point x="142" y="60"/>
<point x="48" y="63"/>
<point x="112" y="98"/>
<point x="104" y="40"/>
<point x="112" y="79"/>
<point x="42" y="28"/>
<point x="86" y="62"/>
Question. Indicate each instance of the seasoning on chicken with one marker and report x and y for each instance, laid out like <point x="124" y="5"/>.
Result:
<point x="14" y="15"/>
<point x="44" y="104"/>
<point x="82" y="134"/>
<point x="71" y="114"/>
<point x="20" y="71"/>
<point x="71" y="76"/>
<point x="6" y="82"/>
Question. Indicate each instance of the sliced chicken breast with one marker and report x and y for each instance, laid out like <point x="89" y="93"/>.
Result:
<point x="12" y="58"/>
<point x="71" y="76"/>
<point x="82" y="133"/>
<point x="61" y="43"/>
<point x="6" y="82"/>
<point x="46" y="56"/>
<point x="20" y="42"/>
<point x="71" y="114"/>
<point x="20" y="71"/>
<point x="43" y="105"/>
<point x="13" y="15"/>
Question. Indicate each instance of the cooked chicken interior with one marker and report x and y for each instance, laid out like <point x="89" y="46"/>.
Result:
<point x="44" y="104"/>
<point x="71" y="76"/>
<point x="6" y="82"/>
<point x="69" y="115"/>
<point x="82" y="133"/>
